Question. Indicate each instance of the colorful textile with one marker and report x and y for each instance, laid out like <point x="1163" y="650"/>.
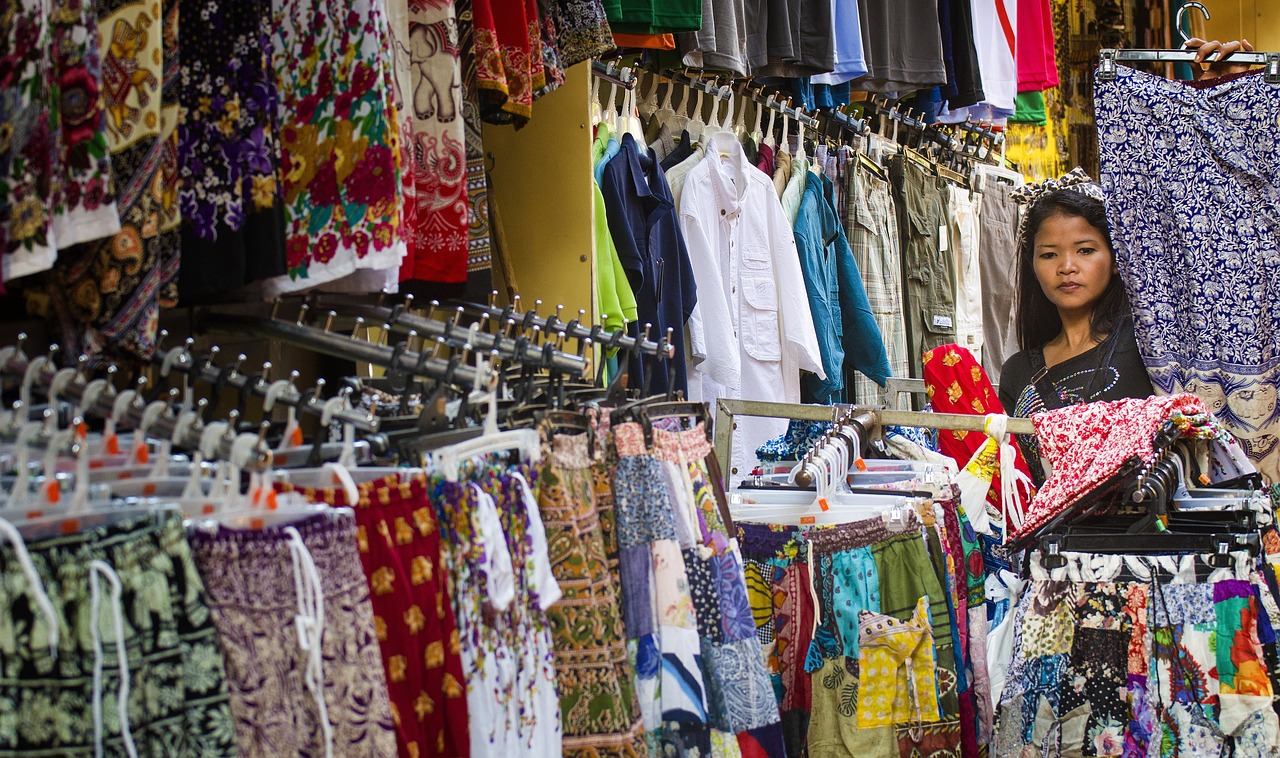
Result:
<point x="398" y="540"/>
<point x="896" y="669"/>
<point x="340" y="158"/>
<point x="1087" y="444"/>
<point x="178" y="702"/>
<point x="426" y="49"/>
<point x="598" y="709"/>
<point x="509" y="58"/>
<point x="228" y="148"/>
<point x="56" y="186"/>
<point x="1194" y="294"/>
<point x="253" y="580"/>
<point x="108" y="295"/>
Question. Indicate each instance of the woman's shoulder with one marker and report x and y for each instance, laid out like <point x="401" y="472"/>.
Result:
<point x="1017" y="365"/>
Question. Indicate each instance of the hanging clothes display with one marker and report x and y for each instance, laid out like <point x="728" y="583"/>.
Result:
<point x="340" y="154"/>
<point x="228" y="150"/>
<point x="109" y="293"/>
<point x="1191" y="294"/>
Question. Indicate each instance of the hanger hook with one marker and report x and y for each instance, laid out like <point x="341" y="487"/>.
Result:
<point x="1182" y="12"/>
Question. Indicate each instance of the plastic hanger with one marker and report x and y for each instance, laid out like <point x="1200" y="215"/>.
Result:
<point x="648" y="104"/>
<point x="695" y="124"/>
<point x="448" y="459"/>
<point x="740" y="123"/>
<point x="773" y="113"/>
<point x="597" y="111"/>
<point x="785" y="145"/>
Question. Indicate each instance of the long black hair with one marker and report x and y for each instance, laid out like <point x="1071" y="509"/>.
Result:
<point x="1038" y="319"/>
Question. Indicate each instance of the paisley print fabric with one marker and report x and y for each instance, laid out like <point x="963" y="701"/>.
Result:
<point x="253" y="579"/>
<point x="598" y="708"/>
<point x="1199" y="256"/>
<point x="582" y="30"/>
<point x="340" y="153"/>
<point x="178" y="702"/>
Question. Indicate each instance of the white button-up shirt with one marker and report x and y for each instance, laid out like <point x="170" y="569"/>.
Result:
<point x="751" y="333"/>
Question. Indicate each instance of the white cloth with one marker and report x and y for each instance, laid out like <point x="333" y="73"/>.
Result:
<point x="995" y="24"/>
<point x="964" y="248"/>
<point x="1003" y="585"/>
<point x="752" y="331"/>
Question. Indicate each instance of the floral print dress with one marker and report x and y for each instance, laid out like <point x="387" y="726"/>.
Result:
<point x="340" y="154"/>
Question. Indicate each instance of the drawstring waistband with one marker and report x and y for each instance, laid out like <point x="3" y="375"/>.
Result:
<point x="37" y="586"/>
<point x="100" y="568"/>
<point x="310" y="623"/>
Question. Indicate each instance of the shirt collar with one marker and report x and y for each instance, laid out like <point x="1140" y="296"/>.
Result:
<point x="645" y="171"/>
<point x="728" y="171"/>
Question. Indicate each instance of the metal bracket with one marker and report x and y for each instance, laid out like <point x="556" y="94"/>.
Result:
<point x="1107" y="65"/>
<point x="1272" y="73"/>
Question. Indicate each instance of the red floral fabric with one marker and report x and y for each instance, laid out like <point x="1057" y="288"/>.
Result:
<point x="1087" y="444"/>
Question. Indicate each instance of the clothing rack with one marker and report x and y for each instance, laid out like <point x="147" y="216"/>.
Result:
<point x="873" y="417"/>
<point x="401" y="318"/>
<point x="396" y="359"/>
<point x="182" y="359"/>
<point x="574" y="329"/>
<point x="1108" y="58"/>
<point x="128" y="408"/>
<point x="611" y="72"/>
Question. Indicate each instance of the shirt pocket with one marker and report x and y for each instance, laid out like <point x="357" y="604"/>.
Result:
<point x="939" y="324"/>
<point x="759" y="315"/>
<point x="755" y="257"/>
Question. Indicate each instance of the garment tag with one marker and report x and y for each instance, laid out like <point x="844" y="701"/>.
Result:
<point x="942" y="322"/>
<point x="944" y="240"/>
<point x="808" y="520"/>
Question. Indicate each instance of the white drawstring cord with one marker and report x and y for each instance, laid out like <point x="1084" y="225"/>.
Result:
<point x="996" y="427"/>
<point x="310" y="623"/>
<point x="37" y="586"/>
<point x="96" y="568"/>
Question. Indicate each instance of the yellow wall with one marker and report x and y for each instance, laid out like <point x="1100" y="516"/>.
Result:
<point x="541" y="178"/>
<point x="1255" y="20"/>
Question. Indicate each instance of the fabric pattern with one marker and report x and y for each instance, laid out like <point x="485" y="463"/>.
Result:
<point x="178" y="701"/>
<point x="398" y="541"/>
<point x="501" y="586"/>
<point x="56" y="187"/>
<point x="107" y="296"/>
<point x="228" y="147"/>
<point x="597" y="698"/>
<point x="582" y="30"/>
<point x="896" y="669"/>
<point x="873" y="236"/>
<point x="340" y="155"/>
<point x="252" y="582"/>
<point x="1194" y="294"/>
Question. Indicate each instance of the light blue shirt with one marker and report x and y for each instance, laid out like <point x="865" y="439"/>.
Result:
<point x="850" y="60"/>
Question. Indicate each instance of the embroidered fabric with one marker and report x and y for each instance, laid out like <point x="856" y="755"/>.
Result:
<point x="692" y="444"/>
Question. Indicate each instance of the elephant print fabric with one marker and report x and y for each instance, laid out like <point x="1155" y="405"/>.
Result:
<point x="428" y="78"/>
<point x="340" y="156"/>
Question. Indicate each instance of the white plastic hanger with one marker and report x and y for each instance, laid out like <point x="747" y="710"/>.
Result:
<point x="597" y="111"/>
<point x="785" y="146"/>
<point x="649" y="103"/>
<point x="696" y="125"/>
<point x="768" y="137"/>
<point x="740" y="123"/>
<point x="448" y="460"/>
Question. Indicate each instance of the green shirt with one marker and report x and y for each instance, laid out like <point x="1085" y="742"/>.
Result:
<point x="613" y="291"/>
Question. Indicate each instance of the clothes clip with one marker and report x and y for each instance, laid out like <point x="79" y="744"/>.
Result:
<point x="1222" y="558"/>
<point x="1051" y="559"/>
<point x="895" y="520"/>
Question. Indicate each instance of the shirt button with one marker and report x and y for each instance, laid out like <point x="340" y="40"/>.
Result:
<point x="722" y="211"/>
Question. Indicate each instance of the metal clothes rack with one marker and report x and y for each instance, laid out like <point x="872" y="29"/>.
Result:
<point x="136" y="413"/>
<point x="1108" y="58"/>
<point x="575" y="329"/>
<point x="874" y="417"/>
<point x="611" y="72"/>
<point x="182" y="359"/>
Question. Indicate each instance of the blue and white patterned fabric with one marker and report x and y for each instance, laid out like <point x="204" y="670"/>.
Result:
<point x="1192" y="176"/>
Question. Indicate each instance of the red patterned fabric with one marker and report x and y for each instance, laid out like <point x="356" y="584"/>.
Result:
<point x="399" y="543"/>
<point x="1087" y="444"/>
<point x="508" y="42"/>
<point x="956" y="383"/>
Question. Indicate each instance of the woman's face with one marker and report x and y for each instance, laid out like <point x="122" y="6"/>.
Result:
<point x="1073" y="263"/>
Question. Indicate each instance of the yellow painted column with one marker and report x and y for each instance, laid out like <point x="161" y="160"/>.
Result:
<point x="542" y="178"/>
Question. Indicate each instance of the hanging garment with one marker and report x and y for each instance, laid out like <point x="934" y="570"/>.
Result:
<point x="56" y="188"/>
<point x="964" y="249"/>
<point x="177" y="696"/>
<point x="930" y="293"/>
<point x="479" y="243"/>
<point x="995" y="24"/>
<point x="107" y="295"/>
<point x="1196" y="278"/>
<point x="721" y="43"/>
<point x="509" y="58"/>
<point x="997" y="268"/>
<point x="645" y="228"/>
<point x="873" y="236"/>
<point x="500" y="585"/>
<point x="1037" y="61"/>
<point x="582" y="30"/>
<point x="228" y="149"/>
<point x="849" y="60"/>
<point x="754" y="332"/>
<point x="896" y="669"/>
<point x="302" y="660"/>
<point x="427" y="69"/>
<point x="398" y="540"/>
<point x="903" y="46"/>
<point x="598" y="704"/>
<point x="964" y="85"/>
<point x="340" y="157"/>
